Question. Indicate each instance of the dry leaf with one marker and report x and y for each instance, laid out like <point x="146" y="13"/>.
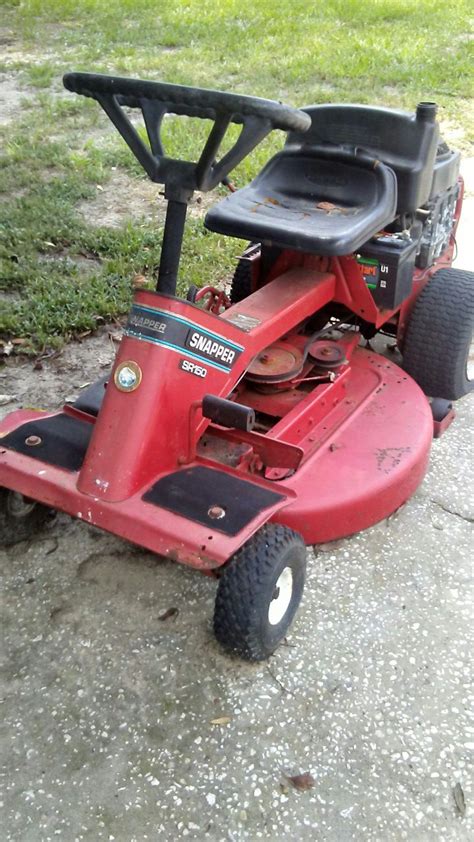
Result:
<point x="19" y="341"/>
<point x="4" y="399"/>
<point x="458" y="795"/>
<point x="221" y="720"/>
<point x="270" y="201"/>
<point x="330" y="546"/>
<point x="170" y="612"/>
<point x="89" y="255"/>
<point x="139" y="281"/>
<point x="326" y="206"/>
<point x="50" y="355"/>
<point x="301" y="782"/>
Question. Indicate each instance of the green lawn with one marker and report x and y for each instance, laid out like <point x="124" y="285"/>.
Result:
<point x="59" y="151"/>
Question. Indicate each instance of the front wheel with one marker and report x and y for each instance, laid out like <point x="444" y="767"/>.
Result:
<point x="259" y="592"/>
<point x="20" y="517"/>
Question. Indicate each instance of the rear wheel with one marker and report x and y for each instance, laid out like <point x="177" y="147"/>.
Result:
<point x="259" y="592"/>
<point x="438" y="349"/>
<point x="241" y="285"/>
<point x="20" y="517"/>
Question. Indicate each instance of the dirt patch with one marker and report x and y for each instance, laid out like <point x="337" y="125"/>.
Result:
<point x="7" y="39"/>
<point x="59" y="377"/>
<point x="124" y="198"/>
<point x="12" y="94"/>
<point x="456" y="135"/>
<point x="13" y="53"/>
<point x="87" y="264"/>
<point x="15" y="95"/>
<point x="453" y="134"/>
<point x="12" y="195"/>
<point x="116" y="571"/>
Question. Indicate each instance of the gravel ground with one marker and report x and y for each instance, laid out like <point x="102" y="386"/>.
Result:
<point x="119" y="725"/>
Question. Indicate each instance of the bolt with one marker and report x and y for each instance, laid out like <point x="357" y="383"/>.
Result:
<point x="33" y="441"/>
<point x="216" y="512"/>
<point x="264" y="358"/>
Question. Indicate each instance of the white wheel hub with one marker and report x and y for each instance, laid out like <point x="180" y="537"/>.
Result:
<point x="281" y="597"/>
<point x="470" y="362"/>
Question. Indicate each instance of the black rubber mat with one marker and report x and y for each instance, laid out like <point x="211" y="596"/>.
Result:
<point x="64" y="440"/>
<point x="193" y="491"/>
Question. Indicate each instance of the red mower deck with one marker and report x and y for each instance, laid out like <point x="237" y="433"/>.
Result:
<point x="361" y="461"/>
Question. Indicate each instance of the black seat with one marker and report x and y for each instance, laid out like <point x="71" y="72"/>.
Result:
<point x="334" y="186"/>
<point x="314" y="200"/>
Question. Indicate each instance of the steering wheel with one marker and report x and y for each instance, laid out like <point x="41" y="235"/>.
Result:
<point x="257" y="116"/>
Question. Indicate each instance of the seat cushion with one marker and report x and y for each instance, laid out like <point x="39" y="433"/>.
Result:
<point x="320" y="202"/>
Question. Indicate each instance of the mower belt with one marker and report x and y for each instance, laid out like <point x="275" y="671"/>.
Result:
<point x="59" y="440"/>
<point x="196" y="492"/>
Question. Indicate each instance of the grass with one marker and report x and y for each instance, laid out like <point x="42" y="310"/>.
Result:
<point x="57" y="151"/>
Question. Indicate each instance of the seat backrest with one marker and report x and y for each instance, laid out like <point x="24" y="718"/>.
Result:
<point x="405" y="142"/>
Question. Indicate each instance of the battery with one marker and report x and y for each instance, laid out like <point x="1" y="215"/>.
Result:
<point x="387" y="264"/>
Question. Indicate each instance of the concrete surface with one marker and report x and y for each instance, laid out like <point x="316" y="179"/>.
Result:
<point x="108" y="711"/>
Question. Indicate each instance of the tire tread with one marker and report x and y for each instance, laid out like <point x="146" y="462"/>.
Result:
<point x="438" y="332"/>
<point x="241" y="585"/>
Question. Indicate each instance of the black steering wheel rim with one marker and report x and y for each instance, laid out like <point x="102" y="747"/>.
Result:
<point x="257" y="116"/>
<point x="189" y="101"/>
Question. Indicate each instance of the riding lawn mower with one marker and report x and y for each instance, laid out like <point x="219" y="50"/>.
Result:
<point x="234" y="430"/>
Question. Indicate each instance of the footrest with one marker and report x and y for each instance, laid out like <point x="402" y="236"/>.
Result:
<point x="59" y="440"/>
<point x="212" y="498"/>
